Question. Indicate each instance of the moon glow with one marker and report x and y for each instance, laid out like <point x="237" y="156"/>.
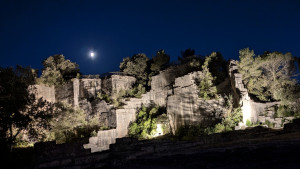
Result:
<point x="92" y="55"/>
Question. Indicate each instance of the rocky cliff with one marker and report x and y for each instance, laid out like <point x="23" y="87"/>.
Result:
<point x="174" y="88"/>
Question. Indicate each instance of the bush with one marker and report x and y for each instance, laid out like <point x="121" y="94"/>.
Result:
<point x="284" y="111"/>
<point x="230" y="120"/>
<point x="145" y="125"/>
<point x="70" y="124"/>
<point x="248" y="123"/>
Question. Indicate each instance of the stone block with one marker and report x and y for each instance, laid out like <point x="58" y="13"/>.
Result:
<point x="93" y="140"/>
<point x="270" y="113"/>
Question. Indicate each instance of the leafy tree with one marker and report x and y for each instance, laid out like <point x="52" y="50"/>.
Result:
<point x="249" y="67"/>
<point x="18" y="106"/>
<point x="186" y="55"/>
<point x="193" y="61"/>
<point x="159" y="61"/>
<point x="269" y="76"/>
<point x="136" y="66"/>
<point x="65" y="121"/>
<point x="218" y="68"/>
<point x="207" y="89"/>
<point x="57" y="70"/>
<point x="277" y="70"/>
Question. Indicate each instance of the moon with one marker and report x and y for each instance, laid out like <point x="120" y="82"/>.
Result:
<point x="92" y="55"/>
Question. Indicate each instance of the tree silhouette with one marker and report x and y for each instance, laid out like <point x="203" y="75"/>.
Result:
<point x="18" y="106"/>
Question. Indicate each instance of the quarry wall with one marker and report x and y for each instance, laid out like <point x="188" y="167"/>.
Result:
<point x="185" y="107"/>
<point x="45" y="92"/>
<point x="173" y="88"/>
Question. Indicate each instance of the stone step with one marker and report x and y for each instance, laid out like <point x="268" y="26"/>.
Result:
<point x="98" y="149"/>
<point x="89" y="146"/>
<point x="93" y="140"/>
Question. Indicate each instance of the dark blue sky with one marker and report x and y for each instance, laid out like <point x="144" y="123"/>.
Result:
<point x="32" y="30"/>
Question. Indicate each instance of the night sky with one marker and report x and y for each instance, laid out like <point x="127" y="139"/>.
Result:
<point x="32" y="30"/>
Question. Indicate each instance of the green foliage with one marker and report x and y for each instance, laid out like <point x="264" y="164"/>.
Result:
<point x="136" y="91"/>
<point x="19" y="109"/>
<point x="248" y="123"/>
<point x="57" y="70"/>
<point x="136" y="66"/>
<point x="70" y="124"/>
<point x="230" y="120"/>
<point x="159" y="61"/>
<point x="104" y="97"/>
<point x="193" y="61"/>
<point x="207" y="89"/>
<point x="269" y="76"/>
<point x="219" y="128"/>
<point x="218" y="67"/>
<point x="269" y="124"/>
<point x="145" y="125"/>
<point x="284" y="111"/>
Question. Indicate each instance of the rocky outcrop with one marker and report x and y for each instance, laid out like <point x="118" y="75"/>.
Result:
<point x="115" y="83"/>
<point x="44" y="92"/>
<point x="186" y="108"/>
<point x="64" y="93"/>
<point x="251" y="109"/>
<point x="172" y="88"/>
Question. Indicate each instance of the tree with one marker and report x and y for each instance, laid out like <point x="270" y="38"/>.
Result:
<point x="65" y="121"/>
<point x="277" y="70"/>
<point x="18" y="106"/>
<point x="249" y="67"/>
<point x="186" y="55"/>
<point x="207" y="89"/>
<point x="159" y="61"/>
<point x="58" y="70"/>
<point x="218" y="68"/>
<point x="136" y="66"/>
<point x="269" y="76"/>
<point x="193" y="61"/>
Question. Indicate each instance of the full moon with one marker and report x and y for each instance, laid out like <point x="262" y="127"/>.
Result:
<point x="92" y="54"/>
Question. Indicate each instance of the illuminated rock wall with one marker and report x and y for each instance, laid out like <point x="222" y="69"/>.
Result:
<point x="46" y="92"/>
<point x="186" y="108"/>
<point x="251" y="109"/>
<point x="115" y="83"/>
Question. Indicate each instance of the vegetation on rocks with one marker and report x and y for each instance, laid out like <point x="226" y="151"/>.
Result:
<point x="270" y="76"/>
<point x="207" y="88"/>
<point x="145" y="126"/>
<point x="19" y="109"/>
<point x="57" y="70"/>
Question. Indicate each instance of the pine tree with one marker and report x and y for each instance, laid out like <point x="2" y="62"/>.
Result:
<point x="207" y="89"/>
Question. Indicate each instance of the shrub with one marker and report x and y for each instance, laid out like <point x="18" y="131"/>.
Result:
<point x="284" y="111"/>
<point x="70" y="124"/>
<point x="248" y="123"/>
<point x="145" y="125"/>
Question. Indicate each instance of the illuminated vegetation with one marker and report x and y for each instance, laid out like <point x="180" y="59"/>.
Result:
<point x="145" y="125"/>
<point x="57" y="70"/>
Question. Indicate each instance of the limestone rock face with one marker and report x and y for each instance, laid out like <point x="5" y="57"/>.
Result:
<point x="162" y="84"/>
<point x="186" y="108"/>
<point x="45" y="92"/>
<point x="64" y="93"/>
<point x="89" y="88"/>
<point x="166" y="78"/>
<point x="115" y="83"/>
